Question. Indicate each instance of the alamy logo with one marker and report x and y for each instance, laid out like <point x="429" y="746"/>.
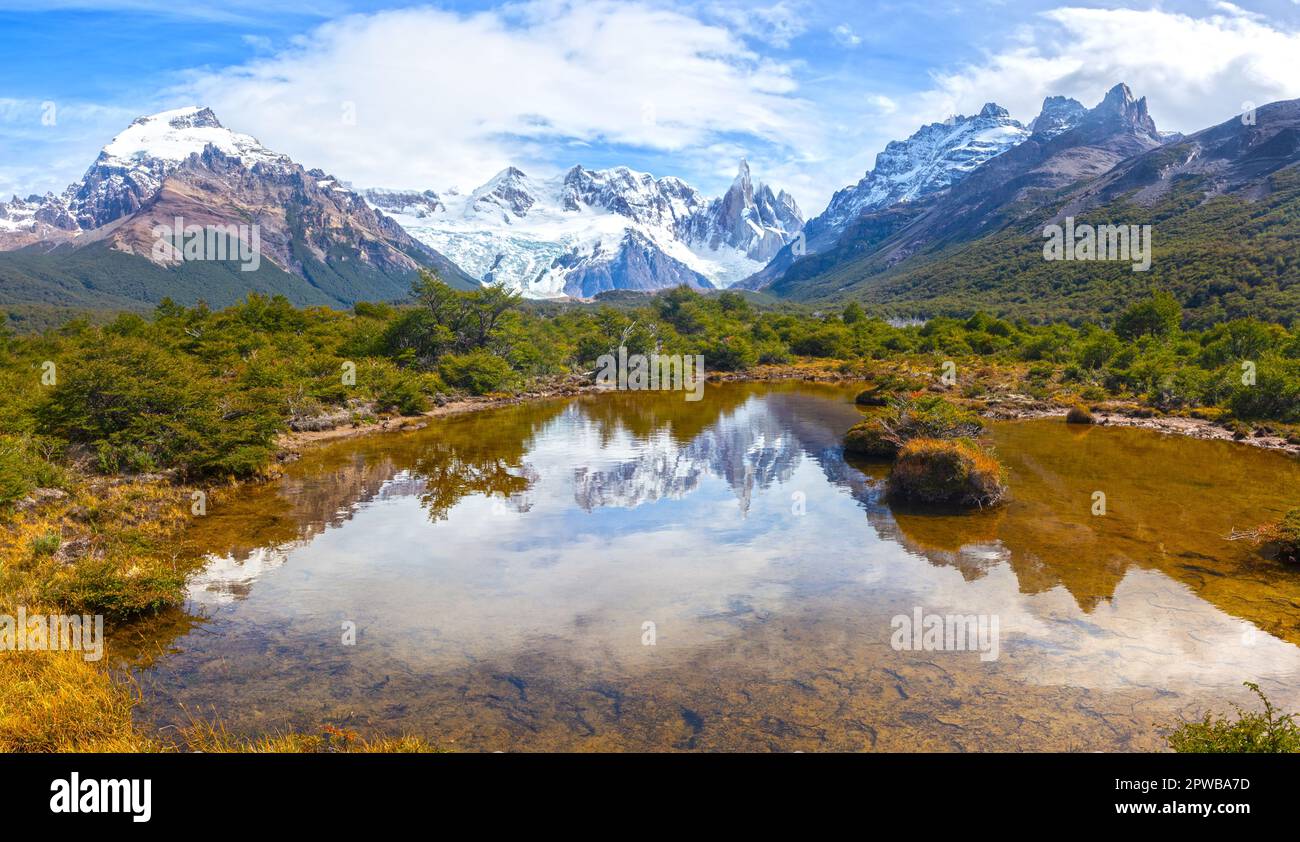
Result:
<point x="923" y="632"/>
<point x="655" y="372"/>
<point x="124" y="795"/>
<point x="1099" y="242"/>
<point x="177" y="242"/>
<point x="53" y="633"/>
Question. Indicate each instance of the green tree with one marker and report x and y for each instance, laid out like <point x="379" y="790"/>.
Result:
<point x="1160" y="315"/>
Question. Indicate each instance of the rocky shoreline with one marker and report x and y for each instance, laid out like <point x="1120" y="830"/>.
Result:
<point x="1141" y="418"/>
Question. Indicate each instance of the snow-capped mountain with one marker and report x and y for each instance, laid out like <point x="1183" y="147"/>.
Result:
<point x="1058" y="115"/>
<point x="1008" y="189"/>
<point x="588" y="231"/>
<point x="937" y="156"/>
<point x="131" y="169"/>
<point x="932" y="160"/>
<point x="184" y="164"/>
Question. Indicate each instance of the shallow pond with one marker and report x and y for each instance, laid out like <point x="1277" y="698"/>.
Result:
<point x="501" y="569"/>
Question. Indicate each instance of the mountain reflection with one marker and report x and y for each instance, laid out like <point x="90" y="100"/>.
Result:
<point x="628" y="450"/>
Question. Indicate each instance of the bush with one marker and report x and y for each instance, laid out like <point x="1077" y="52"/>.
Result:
<point x="1096" y="351"/>
<point x="396" y="389"/>
<point x="828" y="340"/>
<point x="955" y="472"/>
<point x="142" y="408"/>
<point x="1274" y="395"/>
<point x="1249" y="733"/>
<point x="477" y="372"/>
<point x="868" y="439"/>
<point x="1159" y="315"/>
<point x="884" y="388"/>
<point x="23" y="469"/>
<point x="1280" y="538"/>
<point x="773" y="352"/>
<point x="929" y="417"/>
<point x="732" y="353"/>
<point x="1079" y="414"/>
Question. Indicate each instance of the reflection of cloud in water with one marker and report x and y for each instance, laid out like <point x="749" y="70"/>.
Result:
<point x="1154" y="633"/>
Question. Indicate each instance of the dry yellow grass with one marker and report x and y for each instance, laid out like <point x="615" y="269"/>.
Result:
<point x="213" y="738"/>
<point x="58" y="702"/>
<point x="956" y="471"/>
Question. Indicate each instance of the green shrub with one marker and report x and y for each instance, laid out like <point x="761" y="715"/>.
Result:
<point x="23" y="468"/>
<point x="731" y="353"/>
<point x="1096" y="351"/>
<point x="1250" y="733"/>
<point x="477" y="372"/>
<point x="867" y="439"/>
<point x="929" y="417"/>
<point x="1274" y="395"/>
<point x="396" y="389"/>
<point x="1159" y="315"/>
<point x="46" y="545"/>
<point x="773" y="352"/>
<point x="141" y="408"/>
<point x="827" y="340"/>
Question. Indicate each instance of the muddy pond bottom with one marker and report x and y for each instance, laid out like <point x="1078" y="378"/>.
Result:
<point x="638" y="572"/>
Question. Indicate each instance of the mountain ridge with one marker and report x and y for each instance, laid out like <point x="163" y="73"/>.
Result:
<point x="184" y="165"/>
<point x="587" y="231"/>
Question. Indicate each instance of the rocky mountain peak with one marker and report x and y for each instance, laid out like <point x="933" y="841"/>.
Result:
<point x="586" y="230"/>
<point x="1120" y="112"/>
<point x="751" y="219"/>
<point x="933" y="159"/>
<point x="509" y="192"/>
<point x="1059" y="114"/>
<point x="184" y="164"/>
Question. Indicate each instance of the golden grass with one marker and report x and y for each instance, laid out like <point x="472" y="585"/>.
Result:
<point x="58" y="702"/>
<point x="949" y="471"/>
<point x="213" y="738"/>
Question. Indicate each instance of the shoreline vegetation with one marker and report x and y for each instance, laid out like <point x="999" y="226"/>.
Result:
<point x="109" y="430"/>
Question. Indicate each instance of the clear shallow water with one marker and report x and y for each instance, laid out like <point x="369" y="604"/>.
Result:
<point x="500" y="567"/>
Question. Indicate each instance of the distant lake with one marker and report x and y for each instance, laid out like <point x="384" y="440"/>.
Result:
<point x="500" y="571"/>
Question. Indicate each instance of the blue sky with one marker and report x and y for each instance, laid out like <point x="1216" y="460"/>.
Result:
<point x="446" y="94"/>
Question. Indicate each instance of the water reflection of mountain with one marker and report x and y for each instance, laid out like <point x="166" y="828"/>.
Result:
<point x="751" y="441"/>
<point x="746" y="447"/>
<point x="1171" y="500"/>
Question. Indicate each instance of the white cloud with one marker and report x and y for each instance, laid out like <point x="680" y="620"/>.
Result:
<point x="445" y="99"/>
<point x="845" y="36"/>
<point x="1195" y="72"/>
<point x="775" y="25"/>
<point x="882" y="103"/>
